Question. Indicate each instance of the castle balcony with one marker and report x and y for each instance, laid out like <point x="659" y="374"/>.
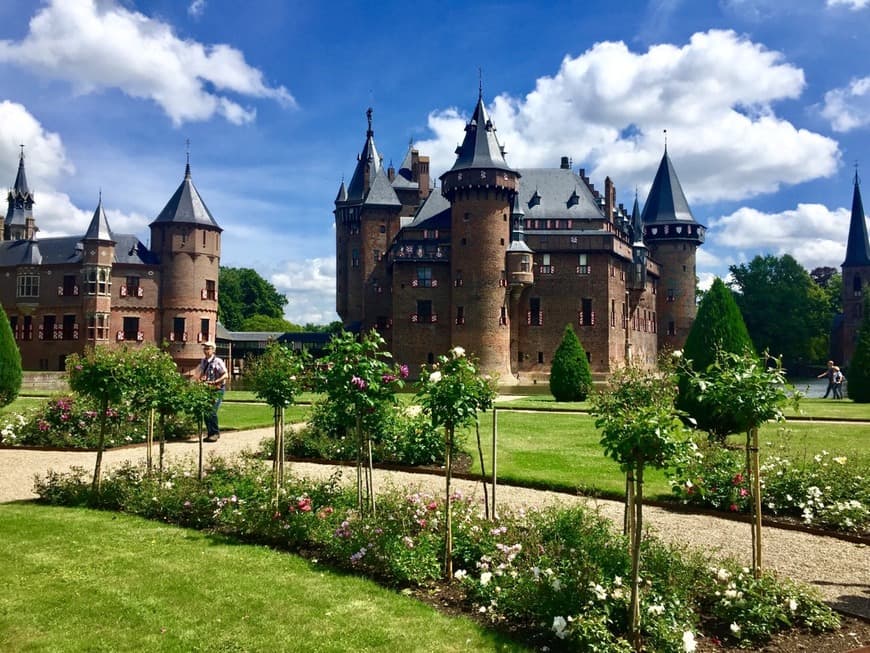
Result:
<point x="420" y="251"/>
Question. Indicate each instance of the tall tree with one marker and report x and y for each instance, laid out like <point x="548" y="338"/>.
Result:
<point x="10" y="362"/>
<point x="570" y="377"/>
<point x="786" y="313"/>
<point x="244" y="293"/>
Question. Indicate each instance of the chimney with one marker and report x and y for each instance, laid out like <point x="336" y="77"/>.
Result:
<point x="566" y="163"/>
<point x="421" y="172"/>
<point x="391" y="173"/>
<point x="609" y="198"/>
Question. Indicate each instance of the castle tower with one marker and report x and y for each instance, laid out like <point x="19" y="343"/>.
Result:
<point x="480" y="188"/>
<point x="366" y="221"/>
<point x="187" y="240"/>
<point x="856" y="276"/>
<point x="98" y="255"/>
<point x="673" y="237"/>
<point x="19" y="223"/>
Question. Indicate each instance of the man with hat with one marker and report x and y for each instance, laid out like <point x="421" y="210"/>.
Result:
<point x="213" y="372"/>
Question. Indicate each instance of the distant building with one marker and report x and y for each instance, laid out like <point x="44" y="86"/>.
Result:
<point x="499" y="260"/>
<point x="104" y="288"/>
<point x="856" y="276"/>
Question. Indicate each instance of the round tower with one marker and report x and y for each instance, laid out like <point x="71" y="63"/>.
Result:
<point x="480" y="188"/>
<point x="673" y="237"/>
<point x="187" y="240"/>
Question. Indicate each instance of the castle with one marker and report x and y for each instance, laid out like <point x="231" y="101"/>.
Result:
<point x="66" y="293"/>
<point x="498" y="260"/>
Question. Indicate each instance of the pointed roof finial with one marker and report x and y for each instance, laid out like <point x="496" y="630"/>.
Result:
<point x="666" y="140"/>
<point x="187" y="166"/>
<point x="369" y="113"/>
<point x="480" y="82"/>
<point x="857" y="180"/>
<point x="22" y="151"/>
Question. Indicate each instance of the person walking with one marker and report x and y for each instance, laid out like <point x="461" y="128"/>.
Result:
<point x="830" y="374"/>
<point x="213" y="372"/>
<point x="839" y="377"/>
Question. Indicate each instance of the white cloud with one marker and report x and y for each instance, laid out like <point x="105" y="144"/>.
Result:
<point x="812" y="233"/>
<point x="310" y="289"/>
<point x="848" y="108"/>
<point x="196" y="8"/>
<point x="854" y="5"/>
<point x="607" y="107"/>
<point x="103" y="45"/>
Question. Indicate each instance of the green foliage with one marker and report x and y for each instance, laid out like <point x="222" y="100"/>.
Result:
<point x="554" y="575"/>
<point x="103" y="373"/>
<point x="10" y="362"/>
<point x="717" y="326"/>
<point x="785" y="311"/>
<point x="268" y="323"/>
<point x="570" y="376"/>
<point x="859" y="366"/>
<point x="741" y="391"/>
<point x="278" y="375"/>
<point x="638" y="422"/>
<point x="453" y="391"/>
<point x="243" y="292"/>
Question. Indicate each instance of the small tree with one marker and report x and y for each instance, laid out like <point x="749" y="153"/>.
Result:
<point x="570" y="377"/>
<point x="745" y="392"/>
<point x="277" y="377"/>
<point x="197" y="400"/>
<point x="718" y="326"/>
<point x="10" y="362"/>
<point x="154" y="372"/>
<point x="105" y="375"/>
<point x="452" y="392"/>
<point x="640" y="428"/>
<point x="859" y="366"/>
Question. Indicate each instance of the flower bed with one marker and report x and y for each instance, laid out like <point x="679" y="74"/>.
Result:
<point x="555" y="576"/>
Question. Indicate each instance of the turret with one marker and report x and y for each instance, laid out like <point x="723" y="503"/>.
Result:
<point x="856" y="275"/>
<point x="19" y="223"/>
<point x="187" y="240"/>
<point x="98" y="255"/>
<point x="481" y="187"/>
<point x="673" y="236"/>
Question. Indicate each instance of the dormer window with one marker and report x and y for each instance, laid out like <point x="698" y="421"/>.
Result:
<point x="535" y="199"/>
<point x="574" y="199"/>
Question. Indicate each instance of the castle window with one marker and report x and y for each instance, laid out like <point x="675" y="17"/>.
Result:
<point x="613" y="313"/>
<point x="131" y="287"/>
<point x="519" y="357"/>
<point x="424" y="278"/>
<point x="586" y="316"/>
<point x="545" y="267"/>
<point x="424" y="313"/>
<point x="502" y="241"/>
<point x="47" y="330"/>
<point x="583" y="264"/>
<point x="204" y="234"/>
<point x="69" y="288"/>
<point x="70" y="329"/>
<point x="130" y="329"/>
<point x="354" y="258"/>
<point x="460" y="315"/>
<point x="464" y="241"/>
<point x="466" y="217"/>
<point x="383" y="229"/>
<point x="457" y="282"/>
<point x="377" y="255"/>
<point x="430" y="234"/>
<point x="204" y="329"/>
<point x="856" y="285"/>
<point x="210" y="289"/>
<point x="98" y="326"/>
<point x="502" y="316"/>
<point x="672" y="328"/>
<point x="541" y="357"/>
<point x="430" y="358"/>
<point x="178" y="334"/>
<point x="27" y="331"/>
<point x="535" y="317"/>
<point x="27" y="285"/>
<point x="672" y="295"/>
<point x="526" y="264"/>
<point x="97" y="280"/>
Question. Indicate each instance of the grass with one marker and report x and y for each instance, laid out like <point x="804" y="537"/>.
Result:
<point x="241" y="416"/>
<point x="77" y="580"/>
<point x="562" y="450"/>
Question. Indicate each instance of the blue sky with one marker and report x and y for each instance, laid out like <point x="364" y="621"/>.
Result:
<point x="766" y="104"/>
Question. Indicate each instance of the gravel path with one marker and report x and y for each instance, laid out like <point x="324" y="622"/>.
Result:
<point x="840" y="570"/>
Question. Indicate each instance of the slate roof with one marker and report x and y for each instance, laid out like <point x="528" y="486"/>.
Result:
<point x="404" y="175"/>
<point x="99" y="229"/>
<point x="857" y="245"/>
<point x="636" y="225"/>
<point x="381" y="192"/>
<point x="666" y="202"/>
<point x="434" y="212"/>
<point x="186" y="206"/>
<point x="558" y="193"/>
<point x="20" y="198"/>
<point x="68" y="249"/>
<point x="480" y="148"/>
<point x="368" y="159"/>
<point x="20" y="186"/>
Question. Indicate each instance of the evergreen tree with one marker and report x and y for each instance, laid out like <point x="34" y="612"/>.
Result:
<point x="570" y="376"/>
<point x="859" y="366"/>
<point x="10" y="362"/>
<point x="718" y="326"/>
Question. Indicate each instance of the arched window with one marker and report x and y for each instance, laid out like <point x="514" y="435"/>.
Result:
<point x="856" y="285"/>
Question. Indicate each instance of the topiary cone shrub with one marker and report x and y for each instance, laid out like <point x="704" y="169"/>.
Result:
<point x="10" y="363"/>
<point x="570" y="376"/>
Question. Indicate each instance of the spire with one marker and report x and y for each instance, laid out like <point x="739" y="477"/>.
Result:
<point x="636" y="225"/>
<point x="666" y="202"/>
<point x="342" y="193"/>
<point x="368" y="164"/>
<point x="20" y="188"/>
<point x="857" y="246"/>
<point x="99" y="227"/>
<point x="19" y="223"/>
<point x="480" y="148"/>
<point x="186" y="206"/>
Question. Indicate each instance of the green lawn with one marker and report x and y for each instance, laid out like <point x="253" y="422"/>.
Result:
<point x="78" y="580"/>
<point x="562" y="450"/>
<point x="240" y="416"/>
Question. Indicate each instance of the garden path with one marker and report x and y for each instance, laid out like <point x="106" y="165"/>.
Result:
<point x="840" y="570"/>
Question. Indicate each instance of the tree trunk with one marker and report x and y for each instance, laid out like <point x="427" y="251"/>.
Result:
<point x="494" y="457"/>
<point x="101" y="442"/>
<point x="162" y="442"/>
<point x="199" y="437"/>
<point x="756" y="505"/>
<point x="276" y="475"/>
<point x="149" y="441"/>
<point x="628" y="511"/>
<point x="637" y="537"/>
<point x="371" y="477"/>
<point x="448" y="510"/>
<point x="482" y="469"/>
<point x="359" y="457"/>
<point x="281" y="449"/>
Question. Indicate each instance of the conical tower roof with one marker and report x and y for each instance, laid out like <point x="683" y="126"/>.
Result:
<point x="367" y="165"/>
<point x="666" y="202"/>
<point x="636" y="225"/>
<point x="186" y="206"/>
<point x="381" y="192"/>
<point x="342" y="193"/>
<point x="99" y="227"/>
<point x="857" y="246"/>
<point x="20" y="188"/>
<point x="480" y="147"/>
<point x="19" y="199"/>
